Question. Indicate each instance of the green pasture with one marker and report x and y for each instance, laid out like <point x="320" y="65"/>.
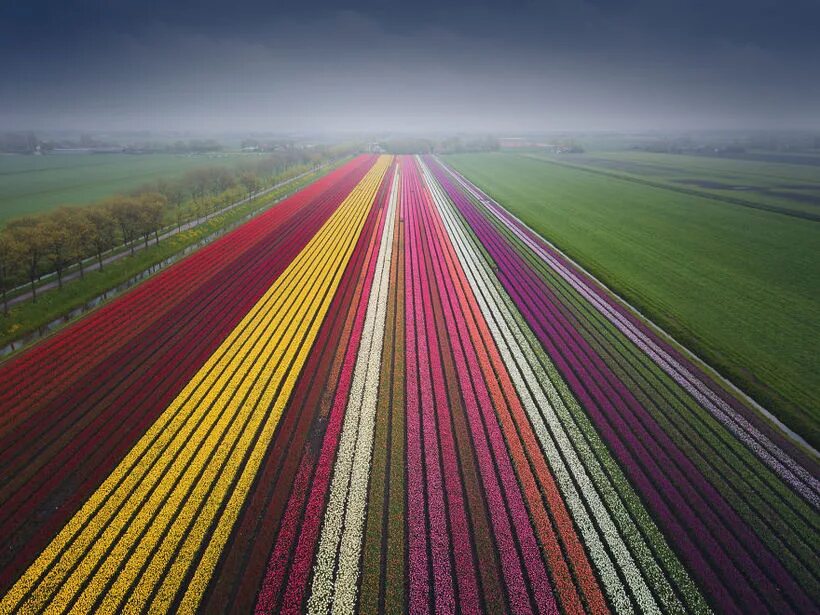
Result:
<point x="792" y="188"/>
<point x="32" y="184"/>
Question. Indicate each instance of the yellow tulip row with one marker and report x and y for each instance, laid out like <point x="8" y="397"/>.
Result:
<point x="172" y="502"/>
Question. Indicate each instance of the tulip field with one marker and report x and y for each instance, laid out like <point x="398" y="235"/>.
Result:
<point x="388" y="394"/>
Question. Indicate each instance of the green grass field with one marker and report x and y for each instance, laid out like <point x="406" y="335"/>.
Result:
<point x="31" y="184"/>
<point x="791" y="187"/>
<point x="739" y="286"/>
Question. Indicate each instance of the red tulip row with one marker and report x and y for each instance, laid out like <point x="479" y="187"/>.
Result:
<point x="60" y="447"/>
<point x="55" y="359"/>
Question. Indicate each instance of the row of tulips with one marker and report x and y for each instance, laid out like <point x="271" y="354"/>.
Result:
<point x="291" y="459"/>
<point x="707" y="532"/>
<point x="388" y="395"/>
<point x="89" y="393"/>
<point x="729" y="411"/>
<point x="141" y="532"/>
<point x="337" y="559"/>
<point x="430" y="438"/>
<point x="383" y="562"/>
<point x="286" y="579"/>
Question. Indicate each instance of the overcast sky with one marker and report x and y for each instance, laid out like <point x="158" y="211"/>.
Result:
<point x="509" y="66"/>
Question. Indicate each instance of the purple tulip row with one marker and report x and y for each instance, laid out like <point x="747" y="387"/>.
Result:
<point x="722" y="552"/>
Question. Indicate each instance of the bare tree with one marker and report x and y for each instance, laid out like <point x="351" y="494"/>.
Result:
<point x="250" y="181"/>
<point x="174" y="193"/>
<point x="81" y="232"/>
<point x="221" y="179"/>
<point x="199" y="183"/>
<point x="126" y="212"/>
<point x="196" y="209"/>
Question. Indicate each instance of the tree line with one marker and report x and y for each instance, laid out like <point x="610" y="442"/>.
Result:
<point x="447" y="145"/>
<point x="36" y="245"/>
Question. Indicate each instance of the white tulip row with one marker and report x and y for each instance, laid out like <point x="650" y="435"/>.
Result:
<point x="343" y="527"/>
<point x="541" y="399"/>
<point x="767" y="451"/>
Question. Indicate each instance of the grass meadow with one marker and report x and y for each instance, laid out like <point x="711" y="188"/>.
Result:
<point x="793" y="188"/>
<point x="33" y="184"/>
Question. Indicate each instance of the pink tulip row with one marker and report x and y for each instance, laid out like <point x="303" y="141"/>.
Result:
<point x="427" y="404"/>
<point x="508" y="512"/>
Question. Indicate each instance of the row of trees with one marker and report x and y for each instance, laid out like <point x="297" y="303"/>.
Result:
<point x="33" y="245"/>
<point x="36" y="245"/>
<point x="412" y="145"/>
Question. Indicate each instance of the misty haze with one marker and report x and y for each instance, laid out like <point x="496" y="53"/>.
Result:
<point x="410" y="307"/>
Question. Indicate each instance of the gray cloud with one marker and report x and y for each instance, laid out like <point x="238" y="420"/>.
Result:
<point x="592" y="67"/>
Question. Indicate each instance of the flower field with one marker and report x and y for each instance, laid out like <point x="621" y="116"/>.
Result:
<point x="387" y="394"/>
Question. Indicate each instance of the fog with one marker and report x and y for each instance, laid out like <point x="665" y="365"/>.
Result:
<point x="411" y="67"/>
